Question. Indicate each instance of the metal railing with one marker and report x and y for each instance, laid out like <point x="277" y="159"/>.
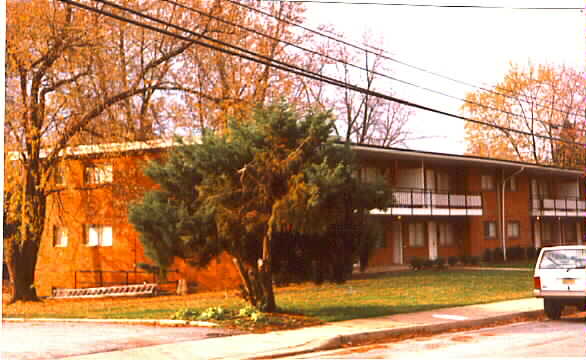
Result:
<point x="116" y="277"/>
<point x="565" y="206"/>
<point x="410" y="201"/>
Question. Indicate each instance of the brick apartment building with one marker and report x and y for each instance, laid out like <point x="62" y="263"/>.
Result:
<point x="444" y="205"/>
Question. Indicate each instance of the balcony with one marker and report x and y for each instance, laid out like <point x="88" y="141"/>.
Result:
<point x="568" y="206"/>
<point x="432" y="203"/>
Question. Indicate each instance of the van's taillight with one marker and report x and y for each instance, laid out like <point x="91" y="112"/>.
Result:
<point x="537" y="283"/>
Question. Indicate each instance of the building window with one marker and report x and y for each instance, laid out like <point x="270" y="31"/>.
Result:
<point x="60" y="176"/>
<point x="570" y="233"/>
<point x="446" y="234"/>
<point x="512" y="184"/>
<point x="59" y="236"/>
<point x="487" y="182"/>
<point x="370" y="175"/>
<point x="98" y="235"/>
<point x="489" y="229"/>
<point x="416" y="235"/>
<point x="513" y="229"/>
<point x="98" y="174"/>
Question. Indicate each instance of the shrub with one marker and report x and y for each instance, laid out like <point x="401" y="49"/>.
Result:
<point x="498" y="255"/>
<point x="531" y="253"/>
<point x="185" y="314"/>
<point x="416" y="263"/>
<point x="474" y="260"/>
<point x="488" y="256"/>
<point x="428" y="263"/>
<point x="452" y="260"/>
<point x="515" y="253"/>
<point x="213" y="313"/>
<point x="440" y="263"/>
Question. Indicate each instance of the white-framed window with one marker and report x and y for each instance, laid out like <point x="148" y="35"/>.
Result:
<point x="487" y="182"/>
<point x="446" y="234"/>
<point x="417" y="234"/>
<point x="98" y="235"/>
<point x="60" y="178"/>
<point x="490" y="229"/>
<point x="513" y="229"/>
<point x="98" y="174"/>
<point x="60" y="236"/>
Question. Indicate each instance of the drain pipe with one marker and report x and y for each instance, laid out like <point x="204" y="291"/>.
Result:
<point x="503" y="217"/>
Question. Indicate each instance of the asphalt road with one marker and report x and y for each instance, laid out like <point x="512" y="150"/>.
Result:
<point x="563" y="339"/>
<point x="55" y="340"/>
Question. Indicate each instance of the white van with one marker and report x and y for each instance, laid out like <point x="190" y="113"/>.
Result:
<point x="560" y="278"/>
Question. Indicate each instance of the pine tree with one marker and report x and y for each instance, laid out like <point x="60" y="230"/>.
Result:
<point x="236" y="191"/>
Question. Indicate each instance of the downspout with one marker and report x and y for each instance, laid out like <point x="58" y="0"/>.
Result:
<point x="503" y="217"/>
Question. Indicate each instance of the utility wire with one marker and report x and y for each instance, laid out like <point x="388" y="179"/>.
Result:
<point x="338" y="2"/>
<point x="373" y="72"/>
<point x="291" y="69"/>
<point x="380" y="52"/>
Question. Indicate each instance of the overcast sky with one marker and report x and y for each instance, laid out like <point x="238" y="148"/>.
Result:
<point x="473" y="45"/>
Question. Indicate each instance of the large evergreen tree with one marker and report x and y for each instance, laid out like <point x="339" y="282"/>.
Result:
<point x="235" y="191"/>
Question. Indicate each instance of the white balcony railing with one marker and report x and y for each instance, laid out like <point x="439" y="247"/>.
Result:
<point x="570" y="206"/>
<point x="424" y="202"/>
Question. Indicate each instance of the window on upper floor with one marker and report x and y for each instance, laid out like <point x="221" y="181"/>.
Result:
<point x="512" y="184"/>
<point x="60" y="178"/>
<point x="487" y="182"/>
<point x="513" y="229"/>
<point x="490" y="229"/>
<point x="60" y="236"/>
<point x="98" y="235"/>
<point x="98" y="174"/>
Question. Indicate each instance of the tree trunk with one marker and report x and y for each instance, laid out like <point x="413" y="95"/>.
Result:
<point x="266" y="294"/>
<point x="24" y="248"/>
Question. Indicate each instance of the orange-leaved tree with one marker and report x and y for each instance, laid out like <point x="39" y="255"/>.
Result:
<point x="547" y="102"/>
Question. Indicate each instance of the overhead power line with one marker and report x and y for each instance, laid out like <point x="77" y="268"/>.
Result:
<point x="381" y="53"/>
<point x="326" y="56"/>
<point x="275" y="64"/>
<point x="337" y="2"/>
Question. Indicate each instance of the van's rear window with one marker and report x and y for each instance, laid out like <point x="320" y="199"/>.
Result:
<point x="563" y="259"/>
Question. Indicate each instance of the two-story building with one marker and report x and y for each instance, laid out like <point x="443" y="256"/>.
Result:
<point x="448" y="205"/>
<point x="444" y="205"/>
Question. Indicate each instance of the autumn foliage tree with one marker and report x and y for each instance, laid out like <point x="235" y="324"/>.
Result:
<point x="542" y="100"/>
<point x="77" y="77"/>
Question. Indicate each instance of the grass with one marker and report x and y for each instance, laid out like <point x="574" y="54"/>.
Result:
<point x="377" y="296"/>
<point x="521" y="264"/>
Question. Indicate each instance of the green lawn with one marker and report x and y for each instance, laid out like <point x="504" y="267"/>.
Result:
<point x="514" y="264"/>
<point x="384" y="295"/>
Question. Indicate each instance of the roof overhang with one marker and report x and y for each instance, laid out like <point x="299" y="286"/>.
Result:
<point x="384" y="153"/>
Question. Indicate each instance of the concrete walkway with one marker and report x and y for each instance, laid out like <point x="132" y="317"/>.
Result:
<point x="332" y="335"/>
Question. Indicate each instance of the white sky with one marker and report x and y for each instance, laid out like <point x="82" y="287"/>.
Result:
<point x="473" y="45"/>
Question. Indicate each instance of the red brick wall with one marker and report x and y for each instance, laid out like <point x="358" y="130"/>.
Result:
<point x="79" y="204"/>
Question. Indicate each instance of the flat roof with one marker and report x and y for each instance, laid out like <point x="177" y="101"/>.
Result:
<point x="460" y="160"/>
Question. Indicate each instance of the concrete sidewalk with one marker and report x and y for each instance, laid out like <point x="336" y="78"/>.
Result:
<point x="332" y="335"/>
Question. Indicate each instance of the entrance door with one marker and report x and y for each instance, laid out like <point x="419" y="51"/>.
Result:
<point x="432" y="236"/>
<point x="397" y="242"/>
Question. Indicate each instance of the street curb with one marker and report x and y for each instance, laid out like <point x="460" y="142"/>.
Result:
<point x="338" y="341"/>
<point x="153" y="322"/>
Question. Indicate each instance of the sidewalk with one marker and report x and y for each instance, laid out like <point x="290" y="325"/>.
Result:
<point x="332" y="335"/>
